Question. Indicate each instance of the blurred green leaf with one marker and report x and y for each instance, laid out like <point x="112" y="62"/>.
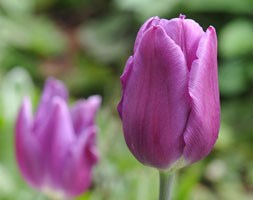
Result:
<point x="17" y="7"/>
<point x="7" y="184"/>
<point x="202" y="193"/>
<point x="233" y="191"/>
<point x="73" y="4"/>
<point x="225" y="138"/>
<point x="106" y="39"/>
<point x="147" y="8"/>
<point x="232" y="78"/>
<point x="188" y="179"/>
<point x="44" y="4"/>
<point x="249" y="71"/>
<point x="89" y="78"/>
<point x="38" y="35"/>
<point x="237" y="114"/>
<point x="13" y="87"/>
<point x="235" y="39"/>
<point x="44" y="37"/>
<point x="14" y="57"/>
<point x="227" y="6"/>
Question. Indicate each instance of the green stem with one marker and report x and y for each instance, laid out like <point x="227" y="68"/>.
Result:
<point x="166" y="180"/>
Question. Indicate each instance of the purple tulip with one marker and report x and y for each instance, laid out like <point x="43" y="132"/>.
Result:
<point x="170" y="105"/>
<point x="56" y="149"/>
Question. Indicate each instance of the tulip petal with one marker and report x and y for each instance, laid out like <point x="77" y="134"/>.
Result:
<point x="203" y="125"/>
<point x="186" y="33"/>
<point x="123" y="78"/>
<point x="27" y="147"/>
<point x="156" y="102"/>
<point x="52" y="89"/>
<point x="57" y="136"/>
<point x="83" y="113"/>
<point x="148" y="24"/>
<point x="79" y="162"/>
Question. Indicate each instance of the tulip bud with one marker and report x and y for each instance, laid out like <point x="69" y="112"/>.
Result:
<point x="170" y="106"/>
<point x="55" y="149"/>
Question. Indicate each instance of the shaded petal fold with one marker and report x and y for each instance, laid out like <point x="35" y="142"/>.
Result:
<point x="186" y="33"/>
<point x="204" y="120"/>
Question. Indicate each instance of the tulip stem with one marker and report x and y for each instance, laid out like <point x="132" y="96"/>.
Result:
<point x="166" y="180"/>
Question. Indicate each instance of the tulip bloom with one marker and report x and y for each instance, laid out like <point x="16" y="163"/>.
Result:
<point x="170" y="106"/>
<point x="56" y="149"/>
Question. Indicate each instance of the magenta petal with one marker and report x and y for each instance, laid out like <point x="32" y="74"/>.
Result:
<point x="83" y="113"/>
<point x="148" y="24"/>
<point x="77" y="170"/>
<point x="124" y="77"/>
<point x="156" y="103"/>
<point x="192" y="35"/>
<point x="27" y="147"/>
<point x="186" y="33"/>
<point x="57" y="137"/>
<point x="48" y="147"/>
<point x="52" y="89"/>
<point x="204" y="120"/>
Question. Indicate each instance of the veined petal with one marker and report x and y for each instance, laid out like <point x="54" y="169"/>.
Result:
<point x="27" y="147"/>
<point x="156" y="103"/>
<point x="83" y="113"/>
<point x="53" y="88"/>
<point x="77" y="170"/>
<point x="186" y="33"/>
<point x="148" y="24"/>
<point x="204" y="120"/>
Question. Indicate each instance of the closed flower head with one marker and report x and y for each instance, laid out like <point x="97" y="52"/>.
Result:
<point x="56" y="149"/>
<point x="170" y="105"/>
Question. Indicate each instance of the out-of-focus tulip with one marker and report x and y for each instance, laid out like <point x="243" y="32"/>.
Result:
<point x="170" y="105"/>
<point x="55" y="149"/>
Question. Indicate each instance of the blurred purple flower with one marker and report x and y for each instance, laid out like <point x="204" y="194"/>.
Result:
<point x="170" y="105"/>
<point x="56" y="149"/>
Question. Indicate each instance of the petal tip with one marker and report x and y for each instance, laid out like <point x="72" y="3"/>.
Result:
<point x="155" y="18"/>
<point x="211" y="29"/>
<point x="95" y="100"/>
<point x="24" y="114"/>
<point x="56" y="87"/>
<point x="26" y="104"/>
<point x="182" y="16"/>
<point x="156" y="29"/>
<point x="59" y="106"/>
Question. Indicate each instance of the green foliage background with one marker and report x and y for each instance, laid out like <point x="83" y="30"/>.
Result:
<point x="86" y="43"/>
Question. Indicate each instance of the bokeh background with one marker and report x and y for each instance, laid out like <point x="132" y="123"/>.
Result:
<point x="85" y="43"/>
